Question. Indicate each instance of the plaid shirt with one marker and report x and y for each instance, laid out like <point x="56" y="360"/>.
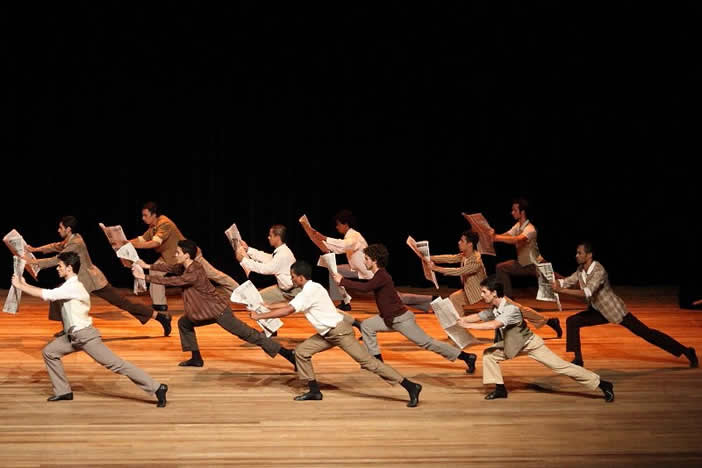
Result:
<point x="471" y="271"/>
<point x="595" y="283"/>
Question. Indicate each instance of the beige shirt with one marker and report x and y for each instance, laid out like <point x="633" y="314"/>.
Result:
<point x="167" y="234"/>
<point x="352" y="245"/>
<point x="526" y="253"/>
<point x="90" y="275"/>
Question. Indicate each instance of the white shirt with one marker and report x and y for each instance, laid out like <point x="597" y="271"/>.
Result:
<point x="277" y="264"/>
<point x="75" y="303"/>
<point x="528" y="253"/>
<point x="315" y="303"/>
<point x="352" y="245"/>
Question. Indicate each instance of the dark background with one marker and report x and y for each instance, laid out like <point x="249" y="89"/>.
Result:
<point x="407" y="115"/>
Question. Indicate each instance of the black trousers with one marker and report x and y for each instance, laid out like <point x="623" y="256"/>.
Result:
<point x="138" y="310"/>
<point x="592" y="317"/>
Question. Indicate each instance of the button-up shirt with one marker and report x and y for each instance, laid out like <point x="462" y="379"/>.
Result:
<point x="277" y="264"/>
<point x="352" y="245"/>
<point x="526" y="253"/>
<point x="75" y="303"/>
<point x="315" y="303"/>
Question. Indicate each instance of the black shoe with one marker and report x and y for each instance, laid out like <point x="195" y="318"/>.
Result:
<point x="65" y="396"/>
<point x="470" y="362"/>
<point x="192" y="363"/>
<point x="274" y="334"/>
<point x="59" y="335"/>
<point x="345" y="307"/>
<point x="496" y="394"/>
<point x="577" y="362"/>
<point x="555" y="323"/>
<point x="160" y="307"/>
<point x="692" y="356"/>
<point x="166" y="323"/>
<point x="414" y="396"/>
<point x="309" y="396"/>
<point x="608" y="390"/>
<point x="161" y="395"/>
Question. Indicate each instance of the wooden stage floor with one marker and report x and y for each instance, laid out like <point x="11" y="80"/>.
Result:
<point x="238" y="409"/>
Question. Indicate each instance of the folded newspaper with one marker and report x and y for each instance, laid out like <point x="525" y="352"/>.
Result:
<point x="328" y="261"/>
<point x="248" y="295"/>
<point x="125" y="252"/>
<point x="546" y="277"/>
<point x="448" y="319"/>
<point x="15" y="242"/>
<point x="14" y="295"/>
<point x="234" y="237"/>
<point x="479" y="224"/>
<point x="421" y="248"/>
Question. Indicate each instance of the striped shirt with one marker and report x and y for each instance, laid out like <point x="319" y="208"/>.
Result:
<point x="471" y="271"/>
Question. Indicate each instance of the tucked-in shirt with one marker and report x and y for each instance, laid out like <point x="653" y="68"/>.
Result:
<point x="315" y="303"/>
<point x="167" y="234"/>
<point x="352" y="245"/>
<point x="527" y="253"/>
<point x="386" y="298"/>
<point x="505" y="313"/>
<point x="75" y="303"/>
<point x="200" y="298"/>
<point x="277" y="264"/>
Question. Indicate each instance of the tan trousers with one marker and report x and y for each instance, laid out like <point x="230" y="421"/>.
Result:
<point x="537" y="350"/>
<point x="273" y="294"/>
<point x="226" y="285"/>
<point x="343" y="337"/>
<point x="88" y="340"/>
<point x="459" y="300"/>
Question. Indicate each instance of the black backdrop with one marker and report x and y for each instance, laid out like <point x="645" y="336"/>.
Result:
<point x="407" y="115"/>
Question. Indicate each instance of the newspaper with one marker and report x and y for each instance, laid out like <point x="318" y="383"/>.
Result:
<point x="421" y="248"/>
<point x="14" y="295"/>
<point x="128" y="252"/>
<point x="546" y="277"/>
<point x="234" y="237"/>
<point x="139" y="279"/>
<point x="15" y="242"/>
<point x="448" y="319"/>
<point x="248" y="295"/>
<point x="328" y="261"/>
<point x="479" y="224"/>
<point x="115" y="235"/>
<point x="310" y="231"/>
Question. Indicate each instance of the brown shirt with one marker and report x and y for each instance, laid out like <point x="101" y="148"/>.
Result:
<point x="169" y="234"/>
<point x="471" y="271"/>
<point x="200" y="298"/>
<point x="386" y="298"/>
<point x="89" y="275"/>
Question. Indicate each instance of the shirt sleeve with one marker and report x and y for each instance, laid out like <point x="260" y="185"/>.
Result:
<point x="62" y="293"/>
<point x="530" y="232"/>
<point x="511" y="316"/>
<point x="259" y="255"/>
<point x="486" y="315"/>
<point x="338" y="246"/>
<point x="514" y="231"/>
<point x="301" y="302"/>
<point x="365" y="286"/>
<point x="163" y="232"/>
<point x="270" y="267"/>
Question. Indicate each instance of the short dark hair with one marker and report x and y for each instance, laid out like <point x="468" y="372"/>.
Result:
<point x="587" y="245"/>
<point x="345" y="217"/>
<point x="152" y="207"/>
<point x="70" y="222"/>
<point x="302" y="268"/>
<point x="522" y="202"/>
<point x="492" y="284"/>
<point x="70" y="259"/>
<point x="378" y="253"/>
<point x="280" y="231"/>
<point x="472" y="237"/>
<point x="189" y="247"/>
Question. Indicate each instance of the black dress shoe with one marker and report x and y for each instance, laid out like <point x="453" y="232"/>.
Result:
<point x="161" y="395"/>
<point x="471" y="363"/>
<point x="555" y="323"/>
<point x="65" y="396"/>
<point x="309" y="396"/>
<point x="192" y="363"/>
<point x="577" y="362"/>
<point x="345" y="307"/>
<point x="414" y="396"/>
<point x="166" y="323"/>
<point x="692" y="356"/>
<point x="608" y="390"/>
<point x="59" y="334"/>
<point x="496" y="394"/>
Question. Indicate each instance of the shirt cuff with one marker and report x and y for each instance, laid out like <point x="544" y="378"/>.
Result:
<point x="587" y="292"/>
<point x="46" y="295"/>
<point x="157" y="239"/>
<point x="141" y="239"/>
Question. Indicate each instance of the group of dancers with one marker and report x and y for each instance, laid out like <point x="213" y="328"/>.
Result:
<point x="206" y="292"/>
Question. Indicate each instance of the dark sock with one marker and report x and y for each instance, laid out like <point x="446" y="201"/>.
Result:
<point x="196" y="356"/>
<point x="463" y="356"/>
<point x="314" y="386"/>
<point x="500" y="387"/>
<point x="379" y="357"/>
<point x="287" y="354"/>
<point x="604" y="385"/>
<point x="408" y="385"/>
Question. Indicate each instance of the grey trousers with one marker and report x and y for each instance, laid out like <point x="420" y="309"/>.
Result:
<point x="188" y="339"/>
<point x="336" y="292"/>
<point x="343" y="337"/>
<point x="406" y="325"/>
<point x="226" y="285"/>
<point x="418" y="301"/>
<point x="505" y="270"/>
<point x="88" y="339"/>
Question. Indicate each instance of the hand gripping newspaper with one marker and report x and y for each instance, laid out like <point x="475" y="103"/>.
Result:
<point x="126" y="253"/>
<point x="248" y="295"/>
<point x="15" y="242"/>
<point x="546" y="277"/>
<point x="421" y="248"/>
<point x="234" y="237"/>
<point x="448" y="319"/>
<point x="479" y="224"/>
